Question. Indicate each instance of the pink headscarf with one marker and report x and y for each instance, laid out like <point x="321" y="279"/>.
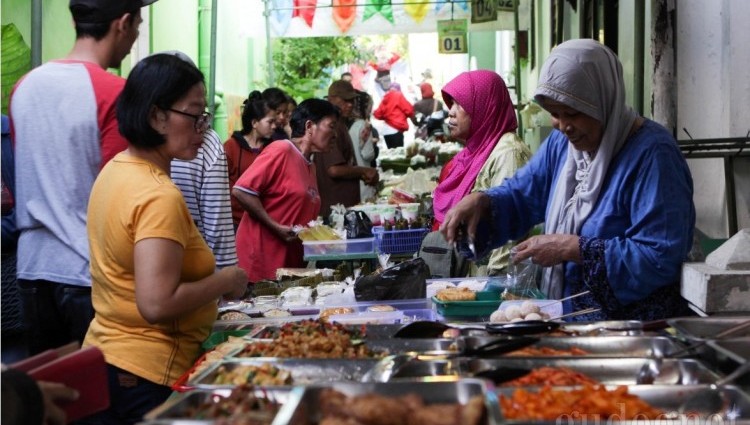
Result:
<point x="485" y="97"/>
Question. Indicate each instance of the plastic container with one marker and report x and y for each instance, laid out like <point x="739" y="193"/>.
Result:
<point x="485" y="304"/>
<point x="398" y="241"/>
<point x="368" y="317"/>
<point x="409" y="211"/>
<point x="344" y="246"/>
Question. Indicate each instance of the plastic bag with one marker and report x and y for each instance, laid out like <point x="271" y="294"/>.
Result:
<point x="521" y="281"/>
<point x="404" y="281"/>
<point x="357" y="225"/>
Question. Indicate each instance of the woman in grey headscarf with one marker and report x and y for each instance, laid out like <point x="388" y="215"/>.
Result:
<point x="612" y="188"/>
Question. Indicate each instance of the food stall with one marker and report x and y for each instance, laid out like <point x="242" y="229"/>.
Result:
<point x="432" y="360"/>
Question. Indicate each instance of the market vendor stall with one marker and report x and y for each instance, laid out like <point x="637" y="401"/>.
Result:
<point x="289" y="369"/>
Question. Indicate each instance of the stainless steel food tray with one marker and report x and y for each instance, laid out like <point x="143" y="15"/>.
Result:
<point x="706" y="328"/>
<point x="175" y="410"/>
<point x="668" y="398"/>
<point x="303" y="371"/>
<point x="303" y="407"/>
<point x="602" y="346"/>
<point x="393" y="346"/>
<point x="606" y="371"/>
<point x="735" y="349"/>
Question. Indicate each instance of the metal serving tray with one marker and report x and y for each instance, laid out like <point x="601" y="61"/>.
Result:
<point x="600" y="346"/>
<point x="668" y="398"/>
<point x="394" y="346"/>
<point x="303" y="407"/>
<point x="706" y="328"/>
<point x="735" y="349"/>
<point x="606" y="371"/>
<point x="175" y="410"/>
<point x="303" y="371"/>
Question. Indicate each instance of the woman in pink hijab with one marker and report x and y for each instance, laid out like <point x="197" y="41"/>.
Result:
<point x="481" y="112"/>
<point x="483" y="119"/>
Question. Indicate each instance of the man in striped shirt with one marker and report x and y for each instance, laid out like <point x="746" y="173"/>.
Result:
<point x="204" y="183"/>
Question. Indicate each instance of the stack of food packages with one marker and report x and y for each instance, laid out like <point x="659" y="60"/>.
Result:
<point x="330" y="372"/>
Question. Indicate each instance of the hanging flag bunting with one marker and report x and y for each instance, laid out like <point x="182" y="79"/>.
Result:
<point x="306" y="10"/>
<point x="417" y="9"/>
<point x="378" y="6"/>
<point x="344" y="13"/>
<point x="281" y="15"/>
<point x="464" y="4"/>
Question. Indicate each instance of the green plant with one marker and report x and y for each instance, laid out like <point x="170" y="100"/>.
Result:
<point x="16" y="61"/>
<point x="303" y="66"/>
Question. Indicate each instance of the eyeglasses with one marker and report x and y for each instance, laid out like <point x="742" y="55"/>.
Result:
<point x="201" y="120"/>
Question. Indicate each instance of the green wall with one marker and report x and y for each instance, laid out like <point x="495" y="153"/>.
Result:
<point x="58" y="33"/>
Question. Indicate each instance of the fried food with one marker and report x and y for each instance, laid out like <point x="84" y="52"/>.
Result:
<point x="410" y="409"/>
<point x="265" y="374"/>
<point x="311" y="339"/>
<point x="577" y="404"/>
<point x="546" y="351"/>
<point x="560" y="376"/>
<point x="325" y="314"/>
<point x="456" y="294"/>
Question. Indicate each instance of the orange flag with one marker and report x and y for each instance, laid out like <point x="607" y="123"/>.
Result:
<point x="344" y="13"/>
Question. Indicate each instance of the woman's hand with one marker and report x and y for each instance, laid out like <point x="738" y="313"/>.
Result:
<point x="236" y="281"/>
<point x="468" y="211"/>
<point x="548" y="250"/>
<point x="285" y="233"/>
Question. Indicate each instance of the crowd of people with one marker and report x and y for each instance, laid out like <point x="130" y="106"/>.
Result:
<point x="140" y="219"/>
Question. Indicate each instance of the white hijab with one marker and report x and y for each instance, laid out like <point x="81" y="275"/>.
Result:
<point x="586" y="76"/>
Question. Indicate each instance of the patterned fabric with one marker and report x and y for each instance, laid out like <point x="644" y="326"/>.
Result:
<point x="664" y="302"/>
<point x="485" y="97"/>
<point x="204" y="183"/>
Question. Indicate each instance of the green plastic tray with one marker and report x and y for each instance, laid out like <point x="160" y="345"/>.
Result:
<point x="485" y="304"/>
<point x="220" y="337"/>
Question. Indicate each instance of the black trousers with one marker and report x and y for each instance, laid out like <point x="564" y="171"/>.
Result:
<point x="54" y="313"/>
<point x="394" y="140"/>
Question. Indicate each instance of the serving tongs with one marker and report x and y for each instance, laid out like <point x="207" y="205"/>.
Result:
<point x="652" y="369"/>
<point x="429" y="329"/>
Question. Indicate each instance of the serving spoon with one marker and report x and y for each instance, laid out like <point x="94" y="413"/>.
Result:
<point x="713" y="399"/>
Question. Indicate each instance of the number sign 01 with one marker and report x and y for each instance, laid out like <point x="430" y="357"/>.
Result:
<point x="452" y="36"/>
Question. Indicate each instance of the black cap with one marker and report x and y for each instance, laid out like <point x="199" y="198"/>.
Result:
<point x="103" y="11"/>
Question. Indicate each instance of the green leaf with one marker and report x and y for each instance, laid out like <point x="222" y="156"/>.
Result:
<point x="16" y="61"/>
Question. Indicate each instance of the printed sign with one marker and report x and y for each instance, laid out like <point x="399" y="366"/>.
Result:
<point x="484" y="11"/>
<point x="452" y="36"/>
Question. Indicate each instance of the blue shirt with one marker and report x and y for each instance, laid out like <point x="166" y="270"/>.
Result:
<point x="635" y="239"/>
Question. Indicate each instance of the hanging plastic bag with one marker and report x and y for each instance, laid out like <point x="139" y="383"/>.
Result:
<point x="404" y="281"/>
<point x="357" y="225"/>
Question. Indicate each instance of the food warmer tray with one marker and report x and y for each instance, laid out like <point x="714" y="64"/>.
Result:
<point x="303" y="407"/>
<point x="383" y="347"/>
<point x="667" y="398"/>
<point x="706" y="328"/>
<point x="303" y="371"/>
<point x="607" y="371"/>
<point x="174" y="411"/>
<point x="727" y="355"/>
<point x="600" y="346"/>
